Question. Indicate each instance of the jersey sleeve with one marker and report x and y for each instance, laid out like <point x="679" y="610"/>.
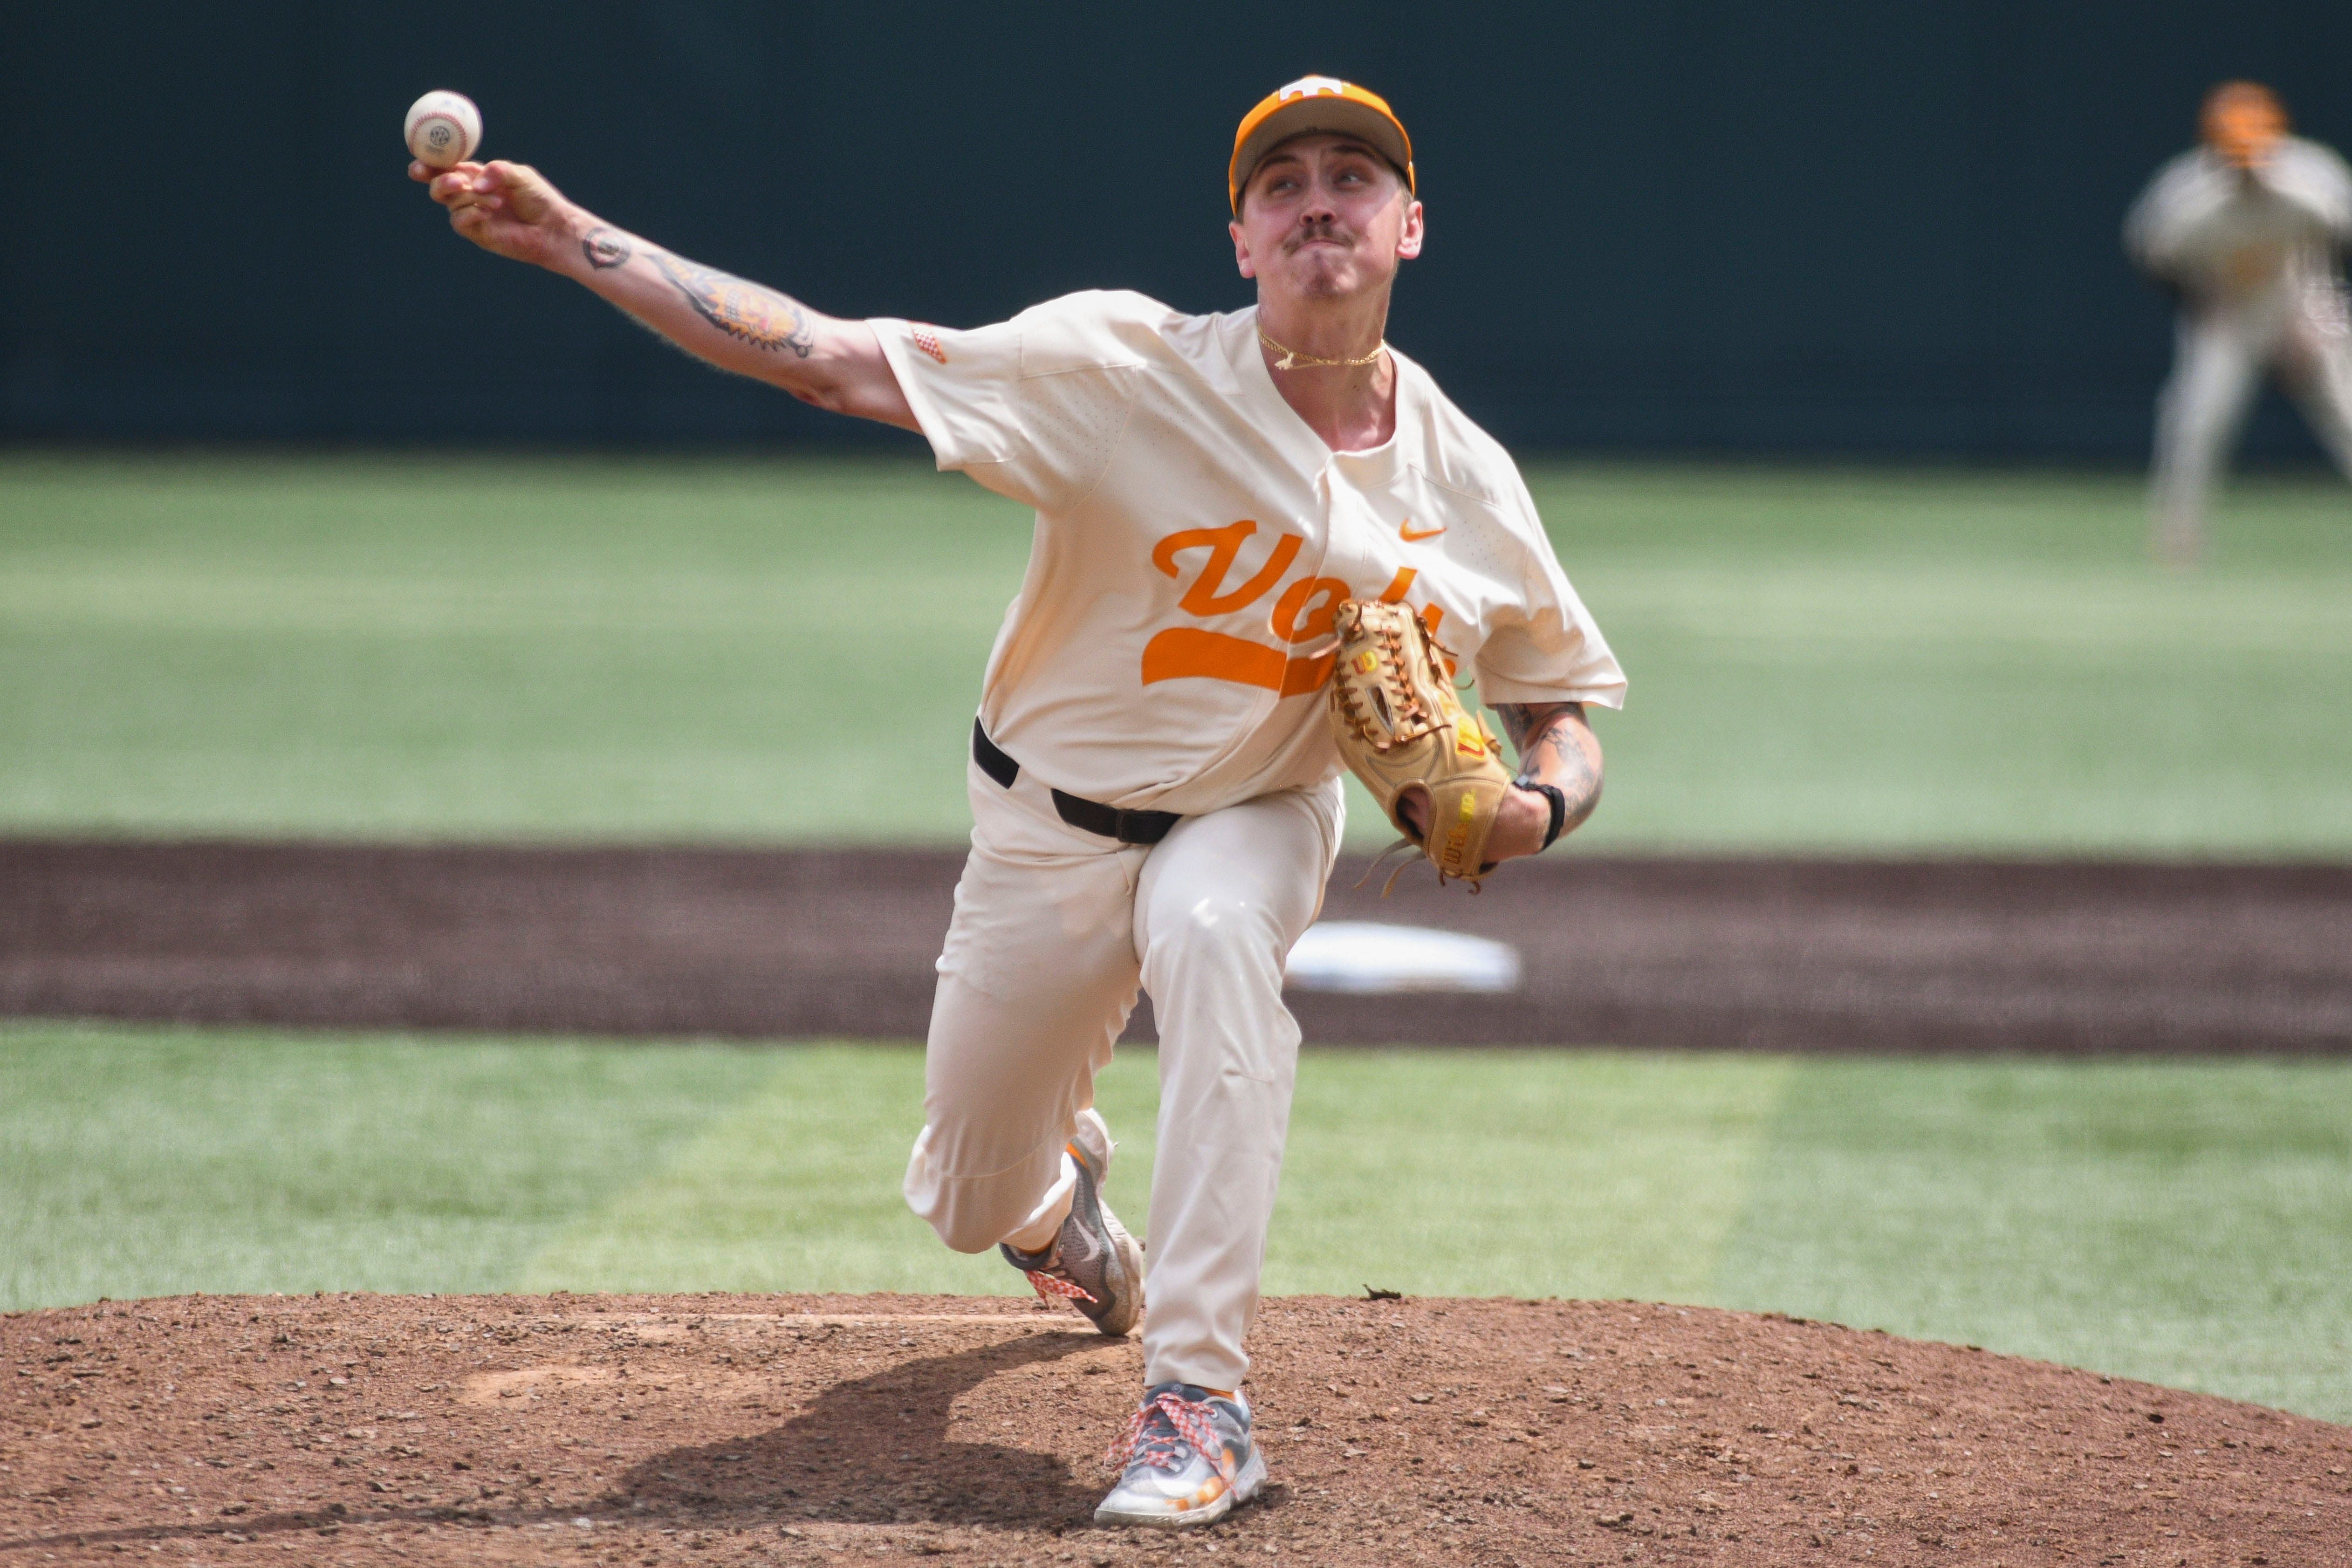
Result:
<point x="1547" y="648"/>
<point x="2315" y="180"/>
<point x="2163" y="226"/>
<point x="1032" y="408"/>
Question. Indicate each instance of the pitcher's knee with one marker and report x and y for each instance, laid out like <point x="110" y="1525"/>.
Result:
<point x="971" y="1213"/>
<point x="964" y="1215"/>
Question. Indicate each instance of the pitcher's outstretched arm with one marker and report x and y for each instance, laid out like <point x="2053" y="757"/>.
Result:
<point x="512" y="210"/>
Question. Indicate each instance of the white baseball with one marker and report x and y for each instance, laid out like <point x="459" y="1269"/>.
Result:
<point x="444" y="127"/>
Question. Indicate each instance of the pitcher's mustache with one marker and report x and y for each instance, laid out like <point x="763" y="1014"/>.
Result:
<point x="1324" y="228"/>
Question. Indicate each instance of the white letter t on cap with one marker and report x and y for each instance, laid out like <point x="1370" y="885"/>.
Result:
<point x="1313" y="86"/>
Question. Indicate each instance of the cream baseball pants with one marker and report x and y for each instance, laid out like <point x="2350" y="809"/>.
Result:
<point x="1054" y="929"/>
<point x="2221" y="352"/>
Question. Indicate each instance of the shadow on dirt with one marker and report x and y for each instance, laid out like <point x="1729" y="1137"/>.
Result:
<point x="875" y="1450"/>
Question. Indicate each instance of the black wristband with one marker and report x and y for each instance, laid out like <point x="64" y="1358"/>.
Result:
<point x="1559" y="810"/>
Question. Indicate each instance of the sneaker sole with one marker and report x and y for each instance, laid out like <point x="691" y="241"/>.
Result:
<point x="1131" y="1264"/>
<point x="1245" y="1486"/>
<point x="1126" y="1258"/>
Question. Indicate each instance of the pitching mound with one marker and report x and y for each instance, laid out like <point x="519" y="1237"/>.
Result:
<point x="724" y="1429"/>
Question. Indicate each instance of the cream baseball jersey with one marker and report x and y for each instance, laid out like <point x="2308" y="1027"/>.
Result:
<point x="2213" y="229"/>
<point x="1172" y="635"/>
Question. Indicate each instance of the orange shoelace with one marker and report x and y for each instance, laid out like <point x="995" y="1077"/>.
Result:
<point x="1049" y="1286"/>
<point x="1191" y="1424"/>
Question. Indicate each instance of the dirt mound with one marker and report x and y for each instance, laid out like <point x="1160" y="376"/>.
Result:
<point x="763" y="1429"/>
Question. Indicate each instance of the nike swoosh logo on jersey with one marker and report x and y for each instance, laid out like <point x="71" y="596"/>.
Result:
<point x="1412" y="535"/>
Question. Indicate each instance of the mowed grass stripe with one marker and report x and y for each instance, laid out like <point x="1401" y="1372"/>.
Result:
<point x="2190" y="1223"/>
<point x="138" y="1160"/>
<point x="1489" y="1172"/>
<point x="382" y="649"/>
<point x="2186" y="1222"/>
<point x="1586" y="1174"/>
<point x="476" y="647"/>
<point x="795" y="1188"/>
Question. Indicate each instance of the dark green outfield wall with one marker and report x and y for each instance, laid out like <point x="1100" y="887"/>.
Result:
<point x="1813" y="226"/>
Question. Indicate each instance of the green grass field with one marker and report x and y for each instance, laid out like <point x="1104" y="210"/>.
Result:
<point x="2190" y="1224"/>
<point x="476" y="647"/>
<point x="471" y="646"/>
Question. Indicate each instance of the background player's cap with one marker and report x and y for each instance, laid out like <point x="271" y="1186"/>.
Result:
<point x="1316" y="103"/>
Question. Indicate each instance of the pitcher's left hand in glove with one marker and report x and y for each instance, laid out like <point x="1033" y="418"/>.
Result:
<point x="1432" y="765"/>
<point x="1403" y="731"/>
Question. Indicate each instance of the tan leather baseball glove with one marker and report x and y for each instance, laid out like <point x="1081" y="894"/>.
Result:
<point x="1400" y="726"/>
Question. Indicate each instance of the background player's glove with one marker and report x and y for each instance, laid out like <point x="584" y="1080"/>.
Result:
<point x="1399" y="725"/>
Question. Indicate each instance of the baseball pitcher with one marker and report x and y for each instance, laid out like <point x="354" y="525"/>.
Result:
<point x="1224" y="502"/>
<point x="2244" y="229"/>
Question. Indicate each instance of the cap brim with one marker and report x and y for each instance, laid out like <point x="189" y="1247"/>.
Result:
<point x="1329" y="114"/>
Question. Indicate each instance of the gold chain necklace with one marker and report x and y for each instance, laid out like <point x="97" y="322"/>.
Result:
<point x="1292" y="360"/>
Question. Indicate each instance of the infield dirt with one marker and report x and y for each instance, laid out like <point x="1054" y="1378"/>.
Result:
<point x="1785" y="955"/>
<point x="807" y="1429"/>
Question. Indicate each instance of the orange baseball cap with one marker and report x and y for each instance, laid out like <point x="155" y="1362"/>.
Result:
<point x="1316" y="103"/>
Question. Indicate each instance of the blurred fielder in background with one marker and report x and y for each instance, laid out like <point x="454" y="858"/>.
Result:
<point x="2244" y="230"/>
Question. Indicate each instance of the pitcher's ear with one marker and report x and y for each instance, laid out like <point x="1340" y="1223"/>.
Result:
<point x="1415" y="234"/>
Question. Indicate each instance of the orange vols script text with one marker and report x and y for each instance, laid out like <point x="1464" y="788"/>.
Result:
<point x="1301" y="614"/>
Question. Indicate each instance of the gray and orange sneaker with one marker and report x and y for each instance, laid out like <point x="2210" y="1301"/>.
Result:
<point x="1187" y="1458"/>
<point x="1094" y="1264"/>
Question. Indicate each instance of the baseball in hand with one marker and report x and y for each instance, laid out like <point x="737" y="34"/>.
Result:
<point x="443" y="129"/>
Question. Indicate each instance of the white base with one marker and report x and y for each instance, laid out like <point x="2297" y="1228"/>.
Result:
<point x="1361" y="958"/>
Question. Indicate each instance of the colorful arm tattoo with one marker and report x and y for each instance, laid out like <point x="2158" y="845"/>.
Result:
<point x="744" y="311"/>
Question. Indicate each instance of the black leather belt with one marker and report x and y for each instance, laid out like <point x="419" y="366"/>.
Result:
<point x="1127" y="827"/>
